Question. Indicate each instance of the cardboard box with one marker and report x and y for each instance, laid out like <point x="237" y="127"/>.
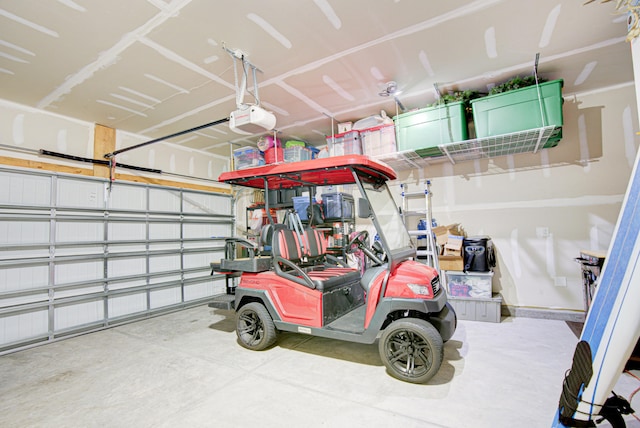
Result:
<point x="454" y="263"/>
<point x="455" y="229"/>
<point x="442" y="233"/>
<point x="453" y="247"/>
<point x="345" y="127"/>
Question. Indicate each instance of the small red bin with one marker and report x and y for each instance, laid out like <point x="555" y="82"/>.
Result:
<point x="274" y="155"/>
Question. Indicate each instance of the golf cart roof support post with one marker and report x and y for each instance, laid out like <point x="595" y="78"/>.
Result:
<point x="266" y="201"/>
<point x="383" y="289"/>
<point x="374" y="219"/>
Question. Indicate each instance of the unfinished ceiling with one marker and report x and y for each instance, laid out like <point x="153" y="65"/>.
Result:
<point x="158" y="67"/>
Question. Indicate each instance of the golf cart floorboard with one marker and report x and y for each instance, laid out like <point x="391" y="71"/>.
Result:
<point x="223" y="301"/>
<point x="352" y="322"/>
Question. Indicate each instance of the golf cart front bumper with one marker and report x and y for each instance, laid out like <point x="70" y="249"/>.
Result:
<point x="445" y="322"/>
<point x="440" y="313"/>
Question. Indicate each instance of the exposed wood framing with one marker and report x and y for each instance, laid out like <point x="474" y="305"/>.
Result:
<point x="104" y="141"/>
<point x="25" y="163"/>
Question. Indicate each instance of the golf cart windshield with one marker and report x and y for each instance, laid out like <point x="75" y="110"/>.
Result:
<point x="390" y="225"/>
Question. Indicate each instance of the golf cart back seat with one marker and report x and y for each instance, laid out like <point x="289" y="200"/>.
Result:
<point x="287" y="257"/>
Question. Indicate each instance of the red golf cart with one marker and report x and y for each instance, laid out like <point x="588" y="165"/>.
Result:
<point x="299" y="287"/>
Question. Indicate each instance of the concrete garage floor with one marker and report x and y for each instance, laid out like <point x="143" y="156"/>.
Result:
<point x="186" y="370"/>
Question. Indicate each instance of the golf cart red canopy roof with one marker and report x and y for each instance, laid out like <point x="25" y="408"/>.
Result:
<point x="316" y="172"/>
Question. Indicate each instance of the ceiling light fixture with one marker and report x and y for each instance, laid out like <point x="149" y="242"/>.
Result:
<point x="391" y="90"/>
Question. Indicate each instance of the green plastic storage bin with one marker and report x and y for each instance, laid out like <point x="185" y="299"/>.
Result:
<point x="424" y="130"/>
<point x="519" y="110"/>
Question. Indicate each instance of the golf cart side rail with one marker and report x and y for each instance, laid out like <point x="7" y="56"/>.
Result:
<point x="437" y="310"/>
<point x="316" y="172"/>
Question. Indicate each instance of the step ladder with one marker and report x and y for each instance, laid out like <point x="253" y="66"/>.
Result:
<point x="430" y="252"/>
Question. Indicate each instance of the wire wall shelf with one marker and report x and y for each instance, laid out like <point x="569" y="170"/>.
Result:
<point x="529" y="141"/>
<point x="408" y="159"/>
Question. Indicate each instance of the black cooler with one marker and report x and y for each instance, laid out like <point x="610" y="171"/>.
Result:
<point x="478" y="254"/>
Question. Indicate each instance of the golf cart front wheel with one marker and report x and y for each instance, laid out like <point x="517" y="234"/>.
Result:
<point x="411" y="349"/>
<point x="254" y="327"/>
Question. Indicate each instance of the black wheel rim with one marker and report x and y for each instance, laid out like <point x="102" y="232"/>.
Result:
<point x="408" y="353"/>
<point x="250" y="328"/>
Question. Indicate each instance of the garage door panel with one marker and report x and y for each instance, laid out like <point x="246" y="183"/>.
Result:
<point x="166" y="297"/>
<point x="78" y="315"/>
<point x="77" y="253"/>
<point x="24" y="326"/>
<point x="21" y="278"/>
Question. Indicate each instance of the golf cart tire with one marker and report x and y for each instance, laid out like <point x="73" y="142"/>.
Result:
<point x="411" y="350"/>
<point x="254" y="327"/>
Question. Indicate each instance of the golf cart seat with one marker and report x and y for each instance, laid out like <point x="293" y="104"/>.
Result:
<point x="287" y="257"/>
<point x="266" y="235"/>
<point x="255" y="262"/>
<point x="316" y="252"/>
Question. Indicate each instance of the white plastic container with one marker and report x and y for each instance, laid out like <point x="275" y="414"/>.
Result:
<point x="473" y="309"/>
<point x="469" y="284"/>
<point x="380" y="140"/>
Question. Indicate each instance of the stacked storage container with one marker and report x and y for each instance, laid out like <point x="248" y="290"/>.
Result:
<point x="347" y="143"/>
<point x="380" y="140"/>
<point x="425" y="129"/>
<point x="296" y="154"/>
<point x="471" y="291"/>
<point x="247" y="157"/>
<point x="338" y="206"/>
<point x="300" y="205"/>
<point x="521" y="109"/>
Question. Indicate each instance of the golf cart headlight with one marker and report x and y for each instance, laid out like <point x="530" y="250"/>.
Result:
<point x="422" y="289"/>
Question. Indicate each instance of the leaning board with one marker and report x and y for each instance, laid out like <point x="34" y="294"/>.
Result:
<point x="613" y="323"/>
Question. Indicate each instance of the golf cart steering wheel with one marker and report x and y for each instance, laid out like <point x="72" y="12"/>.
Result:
<point x="357" y="242"/>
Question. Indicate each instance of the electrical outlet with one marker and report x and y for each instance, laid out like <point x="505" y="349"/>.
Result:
<point x="560" y="281"/>
<point x="542" y="232"/>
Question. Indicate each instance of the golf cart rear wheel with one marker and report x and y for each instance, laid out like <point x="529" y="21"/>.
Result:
<point x="411" y="349"/>
<point x="254" y="327"/>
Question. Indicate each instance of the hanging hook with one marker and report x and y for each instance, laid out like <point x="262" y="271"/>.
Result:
<point x="112" y="171"/>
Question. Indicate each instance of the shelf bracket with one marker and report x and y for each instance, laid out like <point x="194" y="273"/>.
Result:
<point x="446" y="152"/>
<point x="540" y="134"/>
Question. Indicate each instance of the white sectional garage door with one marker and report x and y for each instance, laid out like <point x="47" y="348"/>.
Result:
<point x="78" y="255"/>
